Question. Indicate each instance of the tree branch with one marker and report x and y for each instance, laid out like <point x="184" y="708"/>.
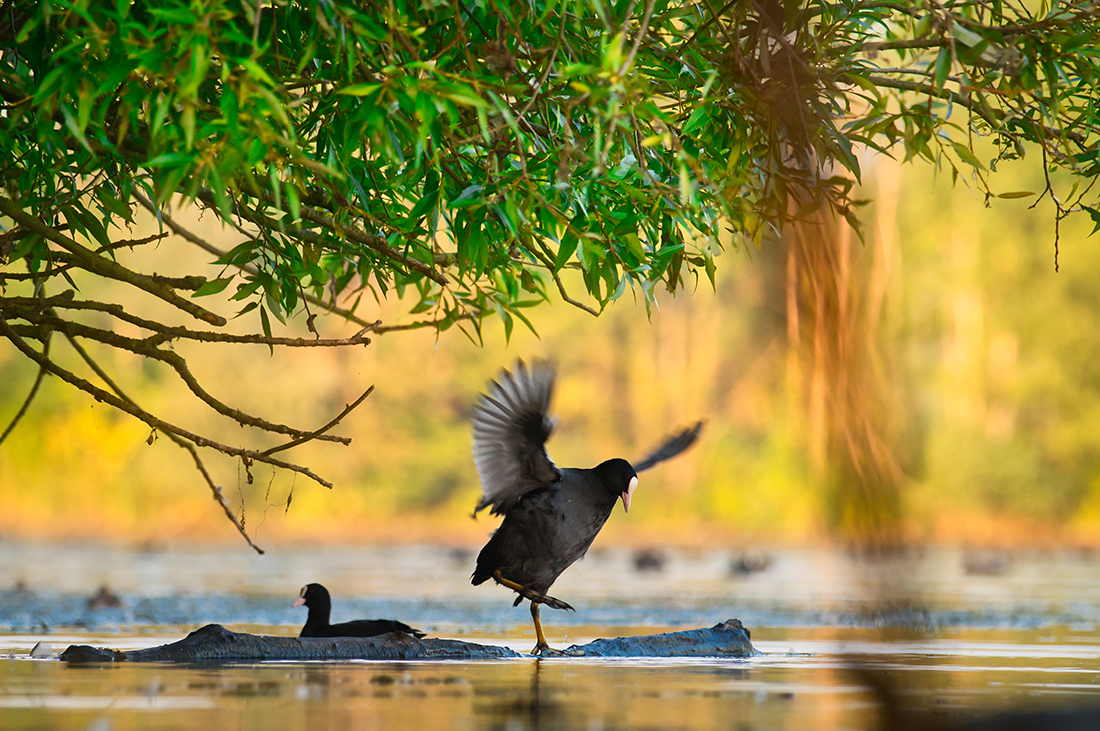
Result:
<point x="175" y="360"/>
<point x="993" y="116"/>
<point x="100" y="395"/>
<point x="961" y="99"/>
<point x="315" y="434"/>
<point x="166" y="333"/>
<point x="219" y="496"/>
<point x="371" y="241"/>
<point x="105" y="267"/>
<point x="561" y="286"/>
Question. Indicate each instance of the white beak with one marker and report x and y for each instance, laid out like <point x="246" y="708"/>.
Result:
<point x="629" y="491"/>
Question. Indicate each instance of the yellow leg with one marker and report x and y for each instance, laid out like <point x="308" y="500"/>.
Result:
<point x="541" y="646"/>
<point x="528" y="593"/>
<point x="508" y="582"/>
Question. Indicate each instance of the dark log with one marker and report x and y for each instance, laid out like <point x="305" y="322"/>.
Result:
<point x="214" y="643"/>
<point x="728" y="639"/>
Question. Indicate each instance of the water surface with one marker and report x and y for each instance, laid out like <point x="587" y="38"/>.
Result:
<point x="959" y="634"/>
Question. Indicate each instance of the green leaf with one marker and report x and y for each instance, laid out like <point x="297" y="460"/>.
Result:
<point x="1016" y="194"/>
<point x="292" y="202"/>
<point x="942" y="67"/>
<point x="360" y="89"/>
<point x="696" y="120"/>
<point x="256" y="71"/>
<point x="1094" y="214"/>
<point x="230" y="106"/>
<point x="266" y="325"/>
<point x="965" y="36"/>
<point x="425" y="204"/>
<point x="966" y="155"/>
<point x="565" y="250"/>
<point x="213" y="286"/>
<point x="173" y="16"/>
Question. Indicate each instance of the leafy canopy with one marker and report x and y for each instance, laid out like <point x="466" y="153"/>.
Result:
<point x="469" y="153"/>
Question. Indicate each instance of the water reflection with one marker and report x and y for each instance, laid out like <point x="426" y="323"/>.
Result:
<point x="525" y="694"/>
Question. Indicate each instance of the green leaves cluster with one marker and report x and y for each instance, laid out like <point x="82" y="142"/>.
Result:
<point x="482" y="156"/>
<point x="472" y="151"/>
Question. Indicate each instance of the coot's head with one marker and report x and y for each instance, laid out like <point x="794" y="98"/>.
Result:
<point x="313" y="595"/>
<point x="619" y="478"/>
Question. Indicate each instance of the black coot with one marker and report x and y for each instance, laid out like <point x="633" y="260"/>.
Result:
<point x="551" y="514"/>
<point x="317" y="600"/>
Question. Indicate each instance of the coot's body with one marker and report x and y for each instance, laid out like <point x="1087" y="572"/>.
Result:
<point x="551" y="515"/>
<point x="550" y="528"/>
<point x="317" y="600"/>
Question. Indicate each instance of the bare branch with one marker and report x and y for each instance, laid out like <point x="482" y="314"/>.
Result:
<point x="100" y="395"/>
<point x="219" y="497"/>
<point x="166" y="333"/>
<point x="313" y="435"/>
<point x="175" y="360"/>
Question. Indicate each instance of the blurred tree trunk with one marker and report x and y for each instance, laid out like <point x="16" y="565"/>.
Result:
<point x="836" y="289"/>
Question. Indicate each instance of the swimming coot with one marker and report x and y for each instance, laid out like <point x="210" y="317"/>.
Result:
<point x="551" y="514"/>
<point x="316" y="599"/>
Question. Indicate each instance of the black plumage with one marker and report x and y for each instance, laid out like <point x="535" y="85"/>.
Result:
<point x="551" y="514"/>
<point x="317" y="600"/>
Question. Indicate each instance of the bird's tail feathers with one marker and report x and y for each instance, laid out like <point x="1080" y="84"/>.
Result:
<point x="672" y="447"/>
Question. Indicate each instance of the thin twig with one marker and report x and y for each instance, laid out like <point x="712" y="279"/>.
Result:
<point x="353" y="232"/>
<point x="561" y="286"/>
<point x="30" y="396"/>
<point x="315" y="434"/>
<point x="219" y="497"/>
<point x="642" y="31"/>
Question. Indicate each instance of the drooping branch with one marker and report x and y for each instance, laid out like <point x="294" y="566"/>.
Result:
<point x="166" y="333"/>
<point x="106" y="267"/>
<point x="178" y="363"/>
<point x="144" y="416"/>
<point x="219" y="496"/>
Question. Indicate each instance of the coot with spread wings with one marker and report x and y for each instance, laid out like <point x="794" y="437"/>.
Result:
<point x="551" y="514"/>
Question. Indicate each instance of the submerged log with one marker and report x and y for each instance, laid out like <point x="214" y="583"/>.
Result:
<point x="214" y="643"/>
<point x="728" y="639"/>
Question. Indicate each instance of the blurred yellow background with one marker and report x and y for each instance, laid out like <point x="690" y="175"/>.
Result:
<point x="992" y="398"/>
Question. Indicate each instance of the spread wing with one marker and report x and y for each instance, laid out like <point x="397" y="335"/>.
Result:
<point x="511" y="426"/>
<point x="673" y="446"/>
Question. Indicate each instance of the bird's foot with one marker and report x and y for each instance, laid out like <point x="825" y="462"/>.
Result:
<point x="544" y="650"/>
<point x="552" y="602"/>
<point x="536" y="597"/>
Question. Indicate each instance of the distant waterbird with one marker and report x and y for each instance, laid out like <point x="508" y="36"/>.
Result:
<point x="317" y="600"/>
